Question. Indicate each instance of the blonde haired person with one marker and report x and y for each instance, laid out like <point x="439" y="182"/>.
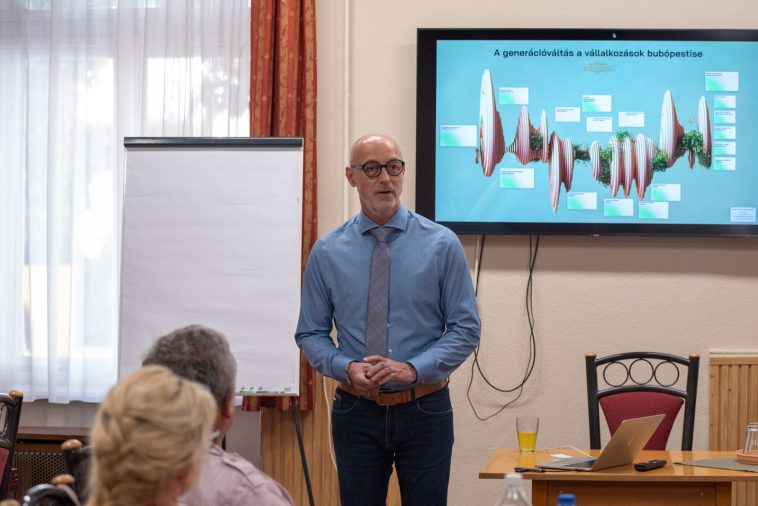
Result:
<point x="150" y="435"/>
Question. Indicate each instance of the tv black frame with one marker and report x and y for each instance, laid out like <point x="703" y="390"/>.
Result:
<point x="426" y="126"/>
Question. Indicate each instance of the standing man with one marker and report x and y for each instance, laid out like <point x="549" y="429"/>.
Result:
<point x="201" y="354"/>
<point x="398" y="289"/>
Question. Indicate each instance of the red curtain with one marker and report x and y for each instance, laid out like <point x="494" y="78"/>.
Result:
<point x="283" y="104"/>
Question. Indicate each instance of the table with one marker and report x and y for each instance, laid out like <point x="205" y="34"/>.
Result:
<point x="671" y="485"/>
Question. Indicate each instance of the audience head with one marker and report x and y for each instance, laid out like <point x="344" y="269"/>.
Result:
<point x="200" y="354"/>
<point x="150" y="435"/>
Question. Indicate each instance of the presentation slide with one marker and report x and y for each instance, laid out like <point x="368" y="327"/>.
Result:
<point x="596" y="131"/>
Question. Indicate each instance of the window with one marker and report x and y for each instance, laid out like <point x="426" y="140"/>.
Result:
<point x="77" y="78"/>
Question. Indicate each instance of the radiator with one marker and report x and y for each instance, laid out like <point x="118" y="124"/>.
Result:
<point x="38" y="459"/>
<point x="733" y="403"/>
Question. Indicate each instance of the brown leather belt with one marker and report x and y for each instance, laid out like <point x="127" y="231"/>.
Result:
<point x="398" y="396"/>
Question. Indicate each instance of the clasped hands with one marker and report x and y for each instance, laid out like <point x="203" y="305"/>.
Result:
<point x="374" y="371"/>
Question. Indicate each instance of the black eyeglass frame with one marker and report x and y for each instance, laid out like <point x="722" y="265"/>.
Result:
<point x="379" y="166"/>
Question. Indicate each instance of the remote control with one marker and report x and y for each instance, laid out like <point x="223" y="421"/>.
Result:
<point x="528" y="470"/>
<point x="650" y="464"/>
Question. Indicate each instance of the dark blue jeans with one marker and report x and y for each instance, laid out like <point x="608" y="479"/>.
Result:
<point x="416" y="436"/>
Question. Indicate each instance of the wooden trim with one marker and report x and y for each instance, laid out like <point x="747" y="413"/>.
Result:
<point x="733" y="402"/>
<point x="725" y="494"/>
<point x="733" y="359"/>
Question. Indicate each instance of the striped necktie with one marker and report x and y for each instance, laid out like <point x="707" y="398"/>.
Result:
<point x="377" y="322"/>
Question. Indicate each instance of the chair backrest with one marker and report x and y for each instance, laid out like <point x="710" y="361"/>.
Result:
<point x="10" y="417"/>
<point x="77" y="458"/>
<point x="638" y="384"/>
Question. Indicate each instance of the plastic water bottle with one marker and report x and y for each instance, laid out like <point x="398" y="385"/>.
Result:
<point x="566" y="500"/>
<point x="514" y="494"/>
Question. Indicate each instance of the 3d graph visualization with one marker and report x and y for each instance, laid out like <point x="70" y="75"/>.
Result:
<point x="549" y="127"/>
<point x="627" y="160"/>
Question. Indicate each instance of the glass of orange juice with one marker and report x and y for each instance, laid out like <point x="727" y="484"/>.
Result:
<point x="526" y="428"/>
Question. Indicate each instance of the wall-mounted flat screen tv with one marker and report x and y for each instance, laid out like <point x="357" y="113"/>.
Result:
<point x="588" y="131"/>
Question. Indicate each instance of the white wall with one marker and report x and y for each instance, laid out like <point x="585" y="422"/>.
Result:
<point x="607" y="294"/>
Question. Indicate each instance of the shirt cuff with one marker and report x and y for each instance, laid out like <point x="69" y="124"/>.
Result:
<point x="426" y="372"/>
<point x="339" y="367"/>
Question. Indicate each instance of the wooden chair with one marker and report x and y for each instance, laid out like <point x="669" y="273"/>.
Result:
<point x="10" y="416"/>
<point x="77" y="458"/>
<point x="639" y="384"/>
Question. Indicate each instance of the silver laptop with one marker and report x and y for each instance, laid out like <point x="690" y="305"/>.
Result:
<point x="623" y="447"/>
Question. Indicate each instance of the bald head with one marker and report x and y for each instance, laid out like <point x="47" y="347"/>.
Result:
<point x="364" y="145"/>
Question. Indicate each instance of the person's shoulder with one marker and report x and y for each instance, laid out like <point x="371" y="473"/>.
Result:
<point x="424" y="225"/>
<point x="336" y="235"/>
<point x="251" y="474"/>
<point x="241" y="464"/>
<point x="240" y="482"/>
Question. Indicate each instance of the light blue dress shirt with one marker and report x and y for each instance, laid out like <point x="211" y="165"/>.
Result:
<point x="433" y="319"/>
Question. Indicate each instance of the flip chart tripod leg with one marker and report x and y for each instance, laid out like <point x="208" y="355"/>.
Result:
<point x="296" y="421"/>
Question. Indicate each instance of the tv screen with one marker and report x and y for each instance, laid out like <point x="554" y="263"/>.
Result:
<point x="588" y="131"/>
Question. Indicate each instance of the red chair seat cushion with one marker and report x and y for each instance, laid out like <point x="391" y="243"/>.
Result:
<point x="619" y="407"/>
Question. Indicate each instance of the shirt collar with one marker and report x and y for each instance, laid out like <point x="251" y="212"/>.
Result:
<point x="399" y="221"/>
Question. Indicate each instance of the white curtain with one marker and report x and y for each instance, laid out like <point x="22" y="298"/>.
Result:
<point x="76" y="77"/>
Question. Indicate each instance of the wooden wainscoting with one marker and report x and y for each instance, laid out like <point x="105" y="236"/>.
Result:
<point x="733" y="403"/>
<point x="280" y="454"/>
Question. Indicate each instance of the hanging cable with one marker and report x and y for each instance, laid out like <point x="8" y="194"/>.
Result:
<point x="534" y="243"/>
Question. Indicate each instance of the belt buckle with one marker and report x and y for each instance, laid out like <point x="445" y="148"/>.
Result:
<point x="379" y="398"/>
<point x="395" y="397"/>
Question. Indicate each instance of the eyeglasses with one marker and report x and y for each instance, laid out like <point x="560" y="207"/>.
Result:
<point x="214" y="436"/>
<point x="373" y="169"/>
